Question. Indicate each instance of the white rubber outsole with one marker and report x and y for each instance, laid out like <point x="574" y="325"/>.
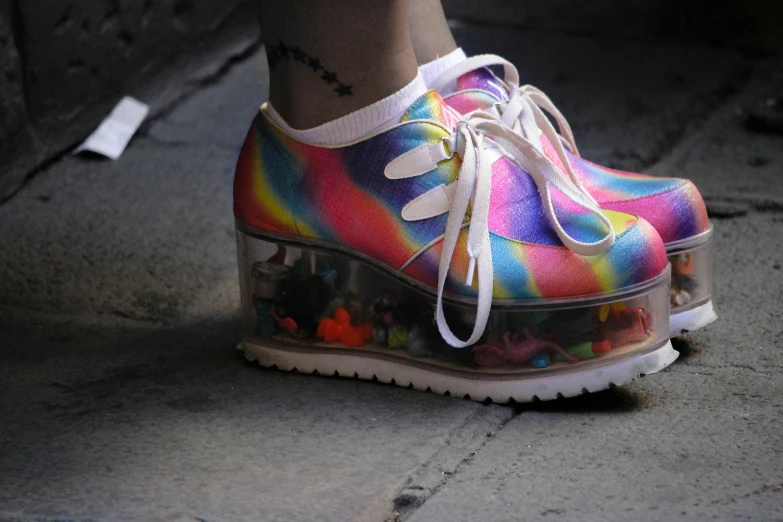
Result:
<point x="499" y="389"/>
<point x="691" y="320"/>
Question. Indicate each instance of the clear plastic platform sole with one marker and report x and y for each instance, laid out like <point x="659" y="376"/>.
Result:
<point x="690" y="295"/>
<point x="314" y="309"/>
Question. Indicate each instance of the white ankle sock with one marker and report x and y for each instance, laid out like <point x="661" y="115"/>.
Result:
<point x="430" y="71"/>
<point x="358" y="124"/>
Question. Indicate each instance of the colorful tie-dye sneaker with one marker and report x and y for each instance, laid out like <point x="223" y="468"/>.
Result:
<point x="426" y="257"/>
<point x="672" y="205"/>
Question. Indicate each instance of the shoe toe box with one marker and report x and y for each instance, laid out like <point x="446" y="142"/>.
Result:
<point x="524" y="270"/>
<point x="673" y="206"/>
<point x="677" y="213"/>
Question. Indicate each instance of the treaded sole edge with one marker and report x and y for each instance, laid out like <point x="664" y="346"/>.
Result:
<point x="528" y="389"/>
<point x="691" y="320"/>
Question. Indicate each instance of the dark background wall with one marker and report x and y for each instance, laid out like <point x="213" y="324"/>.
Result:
<point x="750" y="25"/>
<point x="64" y="64"/>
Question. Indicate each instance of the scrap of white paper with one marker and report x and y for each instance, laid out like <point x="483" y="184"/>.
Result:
<point x="114" y="133"/>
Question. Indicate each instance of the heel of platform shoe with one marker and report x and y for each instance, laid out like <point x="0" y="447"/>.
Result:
<point x="309" y="299"/>
<point x="690" y="296"/>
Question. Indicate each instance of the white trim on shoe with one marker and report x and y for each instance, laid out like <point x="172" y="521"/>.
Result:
<point x="459" y="384"/>
<point x="693" y="319"/>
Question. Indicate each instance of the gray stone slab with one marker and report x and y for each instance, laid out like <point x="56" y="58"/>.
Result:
<point x="731" y="164"/>
<point x="701" y="440"/>
<point x="148" y="237"/>
<point x="748" y="286"/>
<point x="159" y="424"/>
<point x="691" y="453"/>
<point x="628" y="102"/>
<point x="139" y="238"/>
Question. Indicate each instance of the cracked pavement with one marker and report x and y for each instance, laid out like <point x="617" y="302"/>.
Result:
<point x="123" y="397"/>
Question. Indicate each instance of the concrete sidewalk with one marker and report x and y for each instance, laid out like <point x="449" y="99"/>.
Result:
<point x="123" y="398"/>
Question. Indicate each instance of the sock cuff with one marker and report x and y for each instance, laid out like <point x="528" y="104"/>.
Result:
<point x="359" y="123"/>
<point x="432" y="70"/>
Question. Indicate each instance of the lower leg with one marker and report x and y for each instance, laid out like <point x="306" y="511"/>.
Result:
<point x="430" y="32"/>
<point x="328" y="59"/>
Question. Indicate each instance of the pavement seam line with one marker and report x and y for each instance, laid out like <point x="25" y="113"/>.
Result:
<point x="461" y="446"/>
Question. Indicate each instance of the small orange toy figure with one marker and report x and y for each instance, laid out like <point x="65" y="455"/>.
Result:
<point x="339" y="328"/>
<point x="683" y="264"/>
<point x="602" y="346"/>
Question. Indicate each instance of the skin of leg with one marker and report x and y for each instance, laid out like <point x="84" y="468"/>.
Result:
<point x="330" y="58"/>
<point x="430" y="32"/>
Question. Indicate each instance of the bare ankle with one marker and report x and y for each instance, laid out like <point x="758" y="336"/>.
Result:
<point x="328" y="59"/>
<point x="307" y="90"/>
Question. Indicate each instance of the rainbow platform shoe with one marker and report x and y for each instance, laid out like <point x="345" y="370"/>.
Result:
<point x="444" y="254"/>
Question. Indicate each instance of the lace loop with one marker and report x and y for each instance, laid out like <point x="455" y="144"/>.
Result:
<point x="474" y="188"/>
<point x="524" y="110"/>
<point x="474" y="184"/>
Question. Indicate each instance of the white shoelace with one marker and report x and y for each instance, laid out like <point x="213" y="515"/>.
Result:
<point x="524" y="110"/>
<point x="474" y="187"/>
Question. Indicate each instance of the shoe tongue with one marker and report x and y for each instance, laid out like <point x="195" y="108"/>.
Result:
<point x="478" y="89"/>
<point x="430" y="106"/>
<point x="482" y="79"/>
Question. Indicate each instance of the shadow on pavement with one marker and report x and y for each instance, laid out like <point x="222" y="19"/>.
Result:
<point x="687" y="346"/>
<point x="613" y="400"/>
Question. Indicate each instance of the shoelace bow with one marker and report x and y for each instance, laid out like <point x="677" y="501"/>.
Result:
<point x="473" y="137"/>
<point x="524" y="110"/>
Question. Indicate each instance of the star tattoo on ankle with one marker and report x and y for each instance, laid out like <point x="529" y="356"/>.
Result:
<point x="282" y="50"/>
<point x="314" y="64"/>
<point x="344" y="90"/>
<point x="299" y="55"/>
<point x="278" y="53"/>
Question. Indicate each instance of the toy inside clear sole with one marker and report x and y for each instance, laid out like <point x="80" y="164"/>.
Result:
<point x="305" y="297"/>
<point x="691" y="285"/>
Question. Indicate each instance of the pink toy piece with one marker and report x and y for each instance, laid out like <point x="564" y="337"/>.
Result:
<point x="515" y="350"/>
